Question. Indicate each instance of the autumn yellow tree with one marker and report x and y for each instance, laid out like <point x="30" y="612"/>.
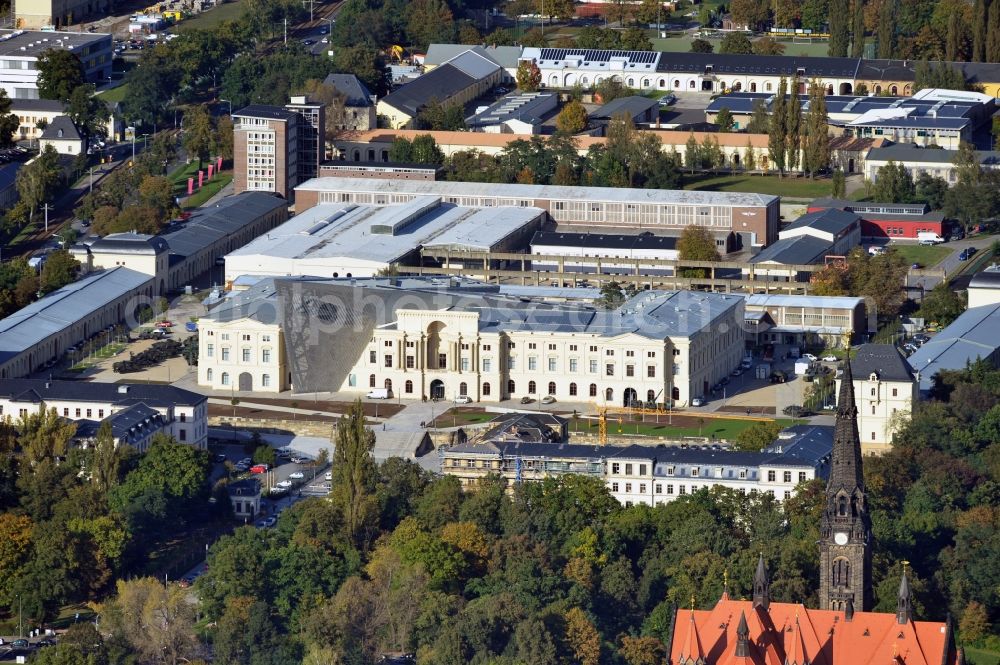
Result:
<point x="642" y="650"/>
<point x="572" y="119"/>
<point x="582" y="637"/>
<point x="45" y="435"/>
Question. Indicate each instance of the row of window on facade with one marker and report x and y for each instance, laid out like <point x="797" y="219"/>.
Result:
<point x="265" y="354"/>
<point x="487" y="364"/>
<point x="681" y="489"/>
<point x="463" y="388"/>
<point x="226" y="379"/>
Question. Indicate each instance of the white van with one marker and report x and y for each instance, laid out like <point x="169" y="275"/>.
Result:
<point x="378" y="393"/>
<point x="928" y="238"/>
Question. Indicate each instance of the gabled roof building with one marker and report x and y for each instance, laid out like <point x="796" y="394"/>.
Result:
<point x="885" y="390"/>
<point x="970" y="337"/>
<point x="457" y="81"/>
<point x="182" y="414"/>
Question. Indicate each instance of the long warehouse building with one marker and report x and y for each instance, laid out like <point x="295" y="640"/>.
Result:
<point x="352" y="240"/>
<point x="752" y="217"/>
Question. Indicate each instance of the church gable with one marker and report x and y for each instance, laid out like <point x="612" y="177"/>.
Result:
<point x="841" y="631"/>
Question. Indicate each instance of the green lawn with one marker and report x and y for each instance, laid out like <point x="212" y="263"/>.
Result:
<point x="682" y="44"/>
<point x="454" y="417"/>
<point x="101" y="354"/>
<point x="229" y="11"/>
<point x="207" y="191"/>
<point x="180" y="175"/>
<point x="719" y="428"/>
<point x="787" y="187"/>
<point x="115" y="94"/>
<point x="927" y="256"/>
<point x="975" y="656"/>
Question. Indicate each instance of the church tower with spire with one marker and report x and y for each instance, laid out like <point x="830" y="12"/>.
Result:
<point x="845" y="530"/>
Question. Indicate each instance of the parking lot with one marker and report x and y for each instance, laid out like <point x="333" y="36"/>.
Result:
<point x="293" y="473"/>
<point x="13" y="648"/>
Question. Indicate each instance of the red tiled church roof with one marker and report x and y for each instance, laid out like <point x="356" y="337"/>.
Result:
<point x="792" y="634"/>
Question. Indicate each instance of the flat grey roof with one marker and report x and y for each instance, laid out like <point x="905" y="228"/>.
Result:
<point x="210" y="224"/>
<point x="341" y="230"/>
<point x="265" y="111"/>
<point x="633" y="105"/>
<point x="32" y="43"/>
<point x="39" y="390"/>
<point x="972" y="335"/>
<point x="44" y="105"/>
<point x="776" y="300"/>
<point x="550" y="192"/>
<point x="62" y="308"/>
<point x="912" y="153"/>
<point x="800" y="250"/>
<point x="505" y="56"/>
<point x="130" y="243"/>
<point x="651" y="314"/>
<point x="831" y="220"/>
<point x="987" y="279"/>
<point x="526" y="106"/>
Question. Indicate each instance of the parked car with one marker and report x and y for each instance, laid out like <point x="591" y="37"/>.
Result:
<point x="698" y="401"/>
<point x="329" y="476"/>
<point x="548" y="399"/>
<point x="284" y="483"/>
<point x="915" y="266"/>
<point x="20" y="644"/>
<point x="668" y="99"/>
<point x="191" y="326"/>
<point x="259" y="468"/>
<point x="278" y="489"/>
<point x="746" y="364"/>
<point x="829" y="359"/>
<point x="526" y="400"/>
<point x="810" y="357"/>
<point x="164" y="324"/>
<point x="270" y="521"/>
<point x="463" y="399"/>
<point x="298" y="459"/>
<point x="220" y="458"/>
<point x="296" y="475"/>
<point x="738" y="371"/>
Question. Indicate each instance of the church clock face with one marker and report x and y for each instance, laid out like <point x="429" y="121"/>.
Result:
<point x="840" y="538"/>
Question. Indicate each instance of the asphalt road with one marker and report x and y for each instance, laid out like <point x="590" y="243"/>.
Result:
<point x="62" y="208"/>
<point x="950" y="264"/>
